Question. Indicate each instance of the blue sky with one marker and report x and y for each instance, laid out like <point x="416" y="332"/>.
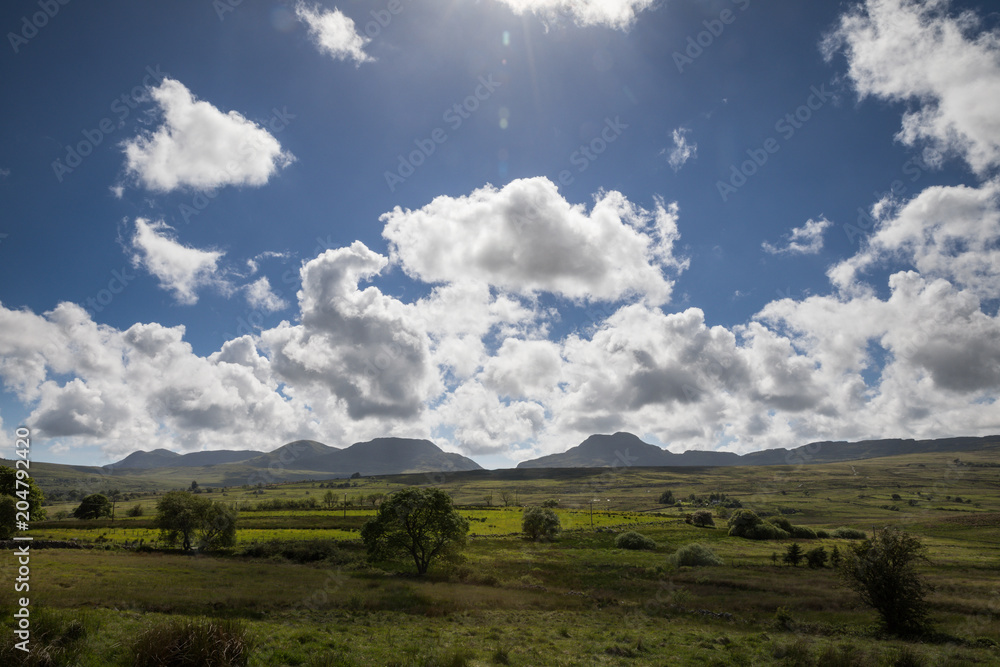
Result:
<point x="503" y="225"/>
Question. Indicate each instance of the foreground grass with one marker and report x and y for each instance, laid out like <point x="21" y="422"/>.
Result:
<point x="504" y="637"/>
<point x="575" y="601"/>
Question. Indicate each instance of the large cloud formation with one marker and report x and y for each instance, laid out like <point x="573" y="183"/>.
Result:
<point x="473" y="362"/>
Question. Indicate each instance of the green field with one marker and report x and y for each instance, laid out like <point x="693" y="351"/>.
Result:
<point x="574" y="601"/>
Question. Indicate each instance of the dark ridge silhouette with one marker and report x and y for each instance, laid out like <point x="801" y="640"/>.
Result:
<point x="627" y="450"/>
<point x="381" y="456"/>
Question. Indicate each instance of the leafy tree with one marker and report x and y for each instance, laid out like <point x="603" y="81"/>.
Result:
<point x="702" y="518"/>
<point x="185" y="517"/>
<point x="540" y="523"/>
<point x="816" y="558"/>
<point x="135" y="510"/>
<point x="329" y="499"/>
<point x="420" y="522"/>
<point x="793" y="554"/>
<point x="8" y="509"/>
<point x="667" y="498"/>
<point x="93" y="506"/>
<point x="882" y="571"/>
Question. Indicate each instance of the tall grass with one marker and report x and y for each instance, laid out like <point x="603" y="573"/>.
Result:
<point x="193" y="642"/>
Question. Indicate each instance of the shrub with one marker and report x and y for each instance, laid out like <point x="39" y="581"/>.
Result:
<point x="822" y="534"/>
<point x="193" y="642"/>
<point x="782" y="523"/>
<point x="135" y="510"/>
<point x="634" y="540"/>
<point x="745" y="523"/>
<point x="817" y="557"/>
<point x="702" y="518"/>
<point x="540" y="523"/>
<point x="694" y="555"/>
<point x="550" y="503"/>
<point x="849" y="534"/>
<point x="803" y="533"/>
<point x="667" y="498"/>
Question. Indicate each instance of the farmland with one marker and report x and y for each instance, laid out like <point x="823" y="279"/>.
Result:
<point x="298" y="582"/>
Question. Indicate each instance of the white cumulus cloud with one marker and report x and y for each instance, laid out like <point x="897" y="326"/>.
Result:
<point x="804" y="240"/>
<point x="201" y="147"/>
<point x="915" y="51"/>
<point x="950" y="232"/>
<point x="180" y="269"/>
<point x="334" y="33"/>
<point x="260" y="295"/>
<point x="526" y="238"/>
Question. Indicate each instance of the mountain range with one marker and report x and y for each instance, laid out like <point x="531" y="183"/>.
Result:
<point x="302" y="459"/>
<point x="381" y="456"/>
<point x="627" y="450"/>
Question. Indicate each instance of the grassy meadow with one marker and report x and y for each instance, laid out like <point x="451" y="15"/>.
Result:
<point x="299" y="588"/>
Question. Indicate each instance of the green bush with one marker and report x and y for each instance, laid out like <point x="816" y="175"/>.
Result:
<point x="550" y="503"/>
<point x="300" y="551"/>
<point x="798" y="532"/>
<point x="849" y="534"/>
<point x="703" y="519"/>
<point x="817" y="557"/>
<point x="221" y="643"/>
<point x="634" y="540"/>
<point x="694" y="555"/>
<point x="540" y="523"/>
<point x="803" y="533"/>
<point x="135" y="510"/>
<point x="782" y="523"/>
<point x="746" y="524"/>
